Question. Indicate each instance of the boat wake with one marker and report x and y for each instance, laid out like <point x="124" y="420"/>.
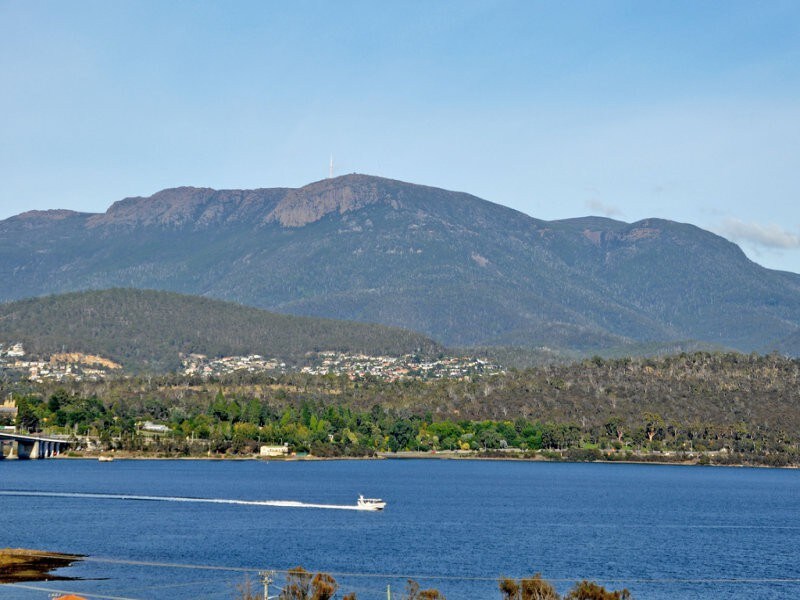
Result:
<point x="281" y="503"/>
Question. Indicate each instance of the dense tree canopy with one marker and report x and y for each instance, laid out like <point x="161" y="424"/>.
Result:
<point x="729" y="406"/>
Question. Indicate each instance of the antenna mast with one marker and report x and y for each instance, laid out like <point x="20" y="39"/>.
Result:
<point x="330" y="169"/>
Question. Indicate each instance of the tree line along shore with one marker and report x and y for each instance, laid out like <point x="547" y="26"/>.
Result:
<point x="701" y="407"/>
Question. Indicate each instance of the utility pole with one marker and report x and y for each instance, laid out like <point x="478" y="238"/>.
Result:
<point x="266" y="579"/>
<point x="388" y="592"/>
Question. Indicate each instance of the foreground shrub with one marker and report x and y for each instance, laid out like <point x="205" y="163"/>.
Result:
<point x="536" y="588"/>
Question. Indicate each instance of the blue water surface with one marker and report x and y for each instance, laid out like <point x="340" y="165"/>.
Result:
<point x="456" y="525"/>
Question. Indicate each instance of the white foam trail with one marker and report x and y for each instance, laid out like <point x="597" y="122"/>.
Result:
<point x="283" y="503"/>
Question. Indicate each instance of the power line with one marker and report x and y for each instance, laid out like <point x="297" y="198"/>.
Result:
<point x="427" y="576"/>
<point x="166" y="565"/>
<point x="173" y="585"/>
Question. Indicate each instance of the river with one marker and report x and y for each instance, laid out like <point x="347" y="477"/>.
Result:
<point x="456" y="525"/>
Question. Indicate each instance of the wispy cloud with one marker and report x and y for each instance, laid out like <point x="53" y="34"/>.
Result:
<point x="765" y="236"/>
<point x="607" y="210"/>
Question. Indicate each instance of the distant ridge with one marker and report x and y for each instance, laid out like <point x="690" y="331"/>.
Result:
<point x="457" y="268"/>
<point x="149" y="330"/>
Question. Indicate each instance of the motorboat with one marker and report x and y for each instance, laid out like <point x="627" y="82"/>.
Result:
<point x="370" y="503"/>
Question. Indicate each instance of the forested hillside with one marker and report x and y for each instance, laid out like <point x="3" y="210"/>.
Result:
<point x="149" y="330"/>
<point x="742" y="407"/>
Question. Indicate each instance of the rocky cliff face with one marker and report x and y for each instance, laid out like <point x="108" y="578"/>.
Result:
<point x="188" y="207"/>
<point x="448" y="264"/>
<point x="313" y="202"/>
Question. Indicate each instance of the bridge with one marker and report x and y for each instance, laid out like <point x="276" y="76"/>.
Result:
<point x="32" y="446"/>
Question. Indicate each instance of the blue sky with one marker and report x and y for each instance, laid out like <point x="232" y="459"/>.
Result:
<point x="683" y="110"/>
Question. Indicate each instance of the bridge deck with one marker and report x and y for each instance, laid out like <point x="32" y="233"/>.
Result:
<point x="32" y="438"/>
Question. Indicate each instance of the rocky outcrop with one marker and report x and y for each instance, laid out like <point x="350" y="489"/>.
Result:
<point x="313" y="202"/>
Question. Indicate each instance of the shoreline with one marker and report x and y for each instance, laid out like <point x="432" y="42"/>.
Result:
<point x="20" y="565"/>
<point x="696" y="461"/>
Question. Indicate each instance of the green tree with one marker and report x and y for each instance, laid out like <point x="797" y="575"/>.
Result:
<point x="401" y="433"/>
<point x="653" y="425"/>
<point x="252" y="412"/>
<point x="219" y="408"/>
<point x="57" y="399"/>
<point x="615" y="427"/>
<point x="27" y="415"/>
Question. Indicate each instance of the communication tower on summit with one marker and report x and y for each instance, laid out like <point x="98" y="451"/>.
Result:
<point x="330" y="169"/>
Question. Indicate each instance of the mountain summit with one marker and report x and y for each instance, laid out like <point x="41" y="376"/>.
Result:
<point x="448" y="264"/>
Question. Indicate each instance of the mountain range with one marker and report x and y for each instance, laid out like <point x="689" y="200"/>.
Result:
<point x="452" y="266"/>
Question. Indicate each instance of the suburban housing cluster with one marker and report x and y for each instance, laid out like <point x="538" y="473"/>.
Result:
<point x="200" y="364"/>
<point x="354" y="366"/>
<point x="78" y="366"/>
<point x="58" y="367"/>
<point x="392" y="368"/>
